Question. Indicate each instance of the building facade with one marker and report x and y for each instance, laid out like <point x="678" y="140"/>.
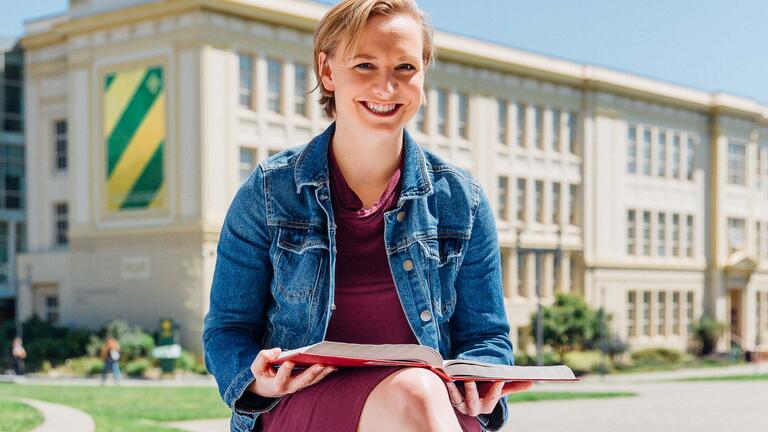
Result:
<point x="648" y="199"/>
<point x="12" y="224"/>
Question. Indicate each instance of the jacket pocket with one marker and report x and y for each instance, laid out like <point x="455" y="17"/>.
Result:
<point x="300" y="262"/>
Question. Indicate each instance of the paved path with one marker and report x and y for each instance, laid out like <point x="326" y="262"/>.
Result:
<point x="59" y="418"/>
<point x="712" y="406"/>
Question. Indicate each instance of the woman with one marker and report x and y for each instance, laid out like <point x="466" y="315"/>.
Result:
<point x="110" y="354"/>
<point x="360" y="236"/>
<point x="18" y="354"/>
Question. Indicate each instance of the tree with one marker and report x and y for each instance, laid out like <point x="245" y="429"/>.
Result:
<point x="568" y="324"/>
<point x="706" y="331"/>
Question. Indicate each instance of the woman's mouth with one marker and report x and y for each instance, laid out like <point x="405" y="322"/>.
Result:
<point x="382" y="110"/>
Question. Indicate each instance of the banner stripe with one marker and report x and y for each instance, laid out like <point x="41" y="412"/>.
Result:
<point x="118" y="94"/>
<point x="149" y="182"/>
<point x="137" y="154"/>
<point x="132" y="117"/>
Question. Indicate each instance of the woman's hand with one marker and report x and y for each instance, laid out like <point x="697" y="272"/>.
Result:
<point x="472" y="404"/>
<point x="271" y="383"/>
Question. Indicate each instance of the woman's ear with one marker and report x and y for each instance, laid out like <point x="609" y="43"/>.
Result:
<point x="326" y="79"/>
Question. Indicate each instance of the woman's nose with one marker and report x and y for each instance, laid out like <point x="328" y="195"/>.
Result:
<point x="385" y="84"/>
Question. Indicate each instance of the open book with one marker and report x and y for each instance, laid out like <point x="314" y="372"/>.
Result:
<point x="357" y="355"/>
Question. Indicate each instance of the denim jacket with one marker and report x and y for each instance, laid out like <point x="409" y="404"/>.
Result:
<point x="273" y="285"/>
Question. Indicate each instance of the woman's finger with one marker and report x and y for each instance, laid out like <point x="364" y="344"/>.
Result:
<point x="327" y="371"/>
<point x="284" y="373"/>
<point x="455" y="396"/>
<point x="261" y="364"/>
<point x="488" y="401"/>
<point x="304" y="378"/>
<point x="471" y="398"/>
<point x="516" y="386"/>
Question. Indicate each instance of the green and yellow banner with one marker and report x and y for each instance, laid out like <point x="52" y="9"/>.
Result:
<point x="134" y="138"/>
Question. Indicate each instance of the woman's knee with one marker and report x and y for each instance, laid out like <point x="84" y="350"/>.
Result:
<point x="416" y="389"/>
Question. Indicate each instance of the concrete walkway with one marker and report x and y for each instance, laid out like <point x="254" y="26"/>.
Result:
<point x="60" y="418"/>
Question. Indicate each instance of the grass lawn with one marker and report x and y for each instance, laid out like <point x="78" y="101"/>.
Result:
<point x="746" y="377"/>
<point x="18" y="417"/>
<point x="127" y="409"/>
<point x="543" y="396"/>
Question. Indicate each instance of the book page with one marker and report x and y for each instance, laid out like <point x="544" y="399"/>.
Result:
<point x="467" y="369"/>
<point x="393" y="352"/>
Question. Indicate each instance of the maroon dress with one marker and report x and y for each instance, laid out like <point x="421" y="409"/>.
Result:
<point x="368" y="310"/>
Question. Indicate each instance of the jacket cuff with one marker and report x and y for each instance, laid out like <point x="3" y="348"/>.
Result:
<point x="243" y="402"/>
<point x="497" y="418"/>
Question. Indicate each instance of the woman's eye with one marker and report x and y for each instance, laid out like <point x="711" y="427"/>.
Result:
<point x="364" y="66"/>
<point x="406" y="67"/>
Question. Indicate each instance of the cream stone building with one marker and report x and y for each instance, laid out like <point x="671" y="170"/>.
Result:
<point x="649" y="199"/>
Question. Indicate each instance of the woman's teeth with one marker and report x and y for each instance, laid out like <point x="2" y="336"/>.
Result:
<point x="381" y="109"/>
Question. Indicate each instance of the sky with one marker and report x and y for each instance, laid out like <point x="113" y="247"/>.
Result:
<point x="710" y="45"/>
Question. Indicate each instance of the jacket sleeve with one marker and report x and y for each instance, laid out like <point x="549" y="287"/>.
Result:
<point x="240" y="293"/>
<point x="479" y="326"/>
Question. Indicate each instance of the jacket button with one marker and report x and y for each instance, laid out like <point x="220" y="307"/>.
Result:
<point x="407" y="265"/>
<point x="333" y="306"/>
<point x="425" y="315"/>
<point x="401" y="216"/>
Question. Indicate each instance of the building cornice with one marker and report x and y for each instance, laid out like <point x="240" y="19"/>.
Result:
<point x="303" y="15"/>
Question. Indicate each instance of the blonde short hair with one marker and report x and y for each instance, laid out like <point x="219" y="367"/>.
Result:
<point x="344" y="23"/>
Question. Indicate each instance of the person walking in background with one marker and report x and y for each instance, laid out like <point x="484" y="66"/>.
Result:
<point x="18" y="353"/>
<point x="110" y="353"/>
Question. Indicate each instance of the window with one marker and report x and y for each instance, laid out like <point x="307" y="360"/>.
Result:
<point x="501" y="105"/>
<point x="736" y="163"/>
<point x="645" y="314"/>
<point x="675" y="234"/>
<point x="60" y="224"/>
<point x="631" y="233"/>
<point x="521" y="200"/>
<point x="463" y="115"/>
<point x="300" y="89"/>
<point x="52" y="308"/>
<point x="646" y="152"/>
<point x="631" y="313"/>
<point x="646" y="233"/>
<point x="13" y="191"/>
<point x="758" y="240"/>
<point x="442" y="112"/>
<point x="661" y="313"/>
<point x="274" y="85"/>
<point x="421" y="114"/>
<point x="247" y="163"/>
<point x="736" y="234"/>
<point x="572" y="132"/>
<point x="21" y="237"/>
<point x="676" y="312"/>
<point x="676" y="156"/>
<point x="521" y="275"/>
<point x="556" y="203"/>
<point x="539" y="201"/>
<point x="538" y="131"/>
<point x="574" y="272"/>
<point x="502" y="197"/>
<point x="661" y="235"/>
<point x="554" y="138"/>
<point x="632" y="150"/>
<point x="60" y="145"/>
<point x="246" y="80"/>
<point x="689" y="312"/>
<point x="572" y="197"/>
<point x="690" y="159"/>
<point x="689" y="236"/>
<point x="662" y="155"/>
<point x="520" y="125"/>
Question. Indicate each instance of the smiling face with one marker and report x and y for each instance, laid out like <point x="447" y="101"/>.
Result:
<point x="378" y="86"/>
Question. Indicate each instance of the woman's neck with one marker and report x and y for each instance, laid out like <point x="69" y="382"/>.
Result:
<point x="366" y="161"/>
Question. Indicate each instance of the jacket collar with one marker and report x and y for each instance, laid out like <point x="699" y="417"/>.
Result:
<point x="312" y="166"/>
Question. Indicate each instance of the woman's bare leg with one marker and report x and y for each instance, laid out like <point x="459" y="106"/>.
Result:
<point x="411" y="399"/>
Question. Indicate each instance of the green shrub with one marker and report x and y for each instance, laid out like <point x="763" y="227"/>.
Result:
<point x="44" y="341"/>
<point x="656" y="357"/>
<point x="85" y="366"/>
<point x="523" y="359"/>
<point x="134" y="342"/>
<point x="186" y="361"/>
<point x="706" y="332"/>
<point x="138" y="367"/>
